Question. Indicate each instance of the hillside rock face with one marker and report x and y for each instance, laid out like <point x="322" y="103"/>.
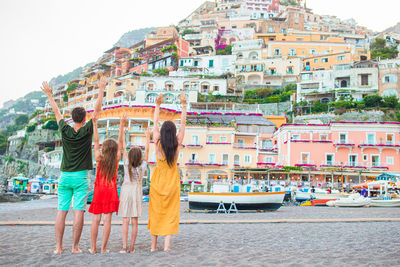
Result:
<point x="132" y="37"/>
<point x="394" y="29"/>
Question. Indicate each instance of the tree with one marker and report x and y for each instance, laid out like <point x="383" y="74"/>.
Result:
<point x="31" y="128"/>
<point x="71" y="87"/>
<point x="51" y="125"/>
<point x="161" y="72"/>
<point x="291" y="87"/>
<point x="390" y="101"/>
<point x="21" y="119"/>
<point x="319" y="107"/>
<point x="226" y="51"/>
<point x="379" y="49"/>
<point x="188" y="31"/>
<point x="65" y="97"/>
<point x="372" y="101"/>
<point x="263" y="93"/>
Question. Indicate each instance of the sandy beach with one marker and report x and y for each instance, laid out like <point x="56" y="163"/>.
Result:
<point x="269" y="244"/>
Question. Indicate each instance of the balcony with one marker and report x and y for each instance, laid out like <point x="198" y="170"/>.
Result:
<point x="194" y="145"/>
<point x="193" y="163"/>
<point x="322" y="141"/>
<point x="214" y="164"/>
<point x="268" y="149"/>
<point x="330" y="164"/>
<point x="354" y="165"/>
<point x="300" y="140"/>
<point x="266" y="164"/>
<point x="344" y="143"/>
<point x="243" y="146"/>
<point x="305" y="163"/>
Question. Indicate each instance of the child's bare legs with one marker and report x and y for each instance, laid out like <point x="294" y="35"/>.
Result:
<point x="167" y="243"/>
<point x="77" y="230"/>
<point x="154" y="243"/>
<point x="125" y="230"/>
<point x="134" y="221"/>
<point x="106" y="231"/>
<point x="59" y="229"/>
<point x="94" y="231"/>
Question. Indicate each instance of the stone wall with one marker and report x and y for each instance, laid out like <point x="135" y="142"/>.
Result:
<point x="348" y="116"/>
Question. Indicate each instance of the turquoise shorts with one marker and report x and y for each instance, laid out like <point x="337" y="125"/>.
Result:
<point x="73" y="186"/>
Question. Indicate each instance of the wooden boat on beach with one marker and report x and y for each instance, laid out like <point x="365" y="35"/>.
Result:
<point x="265" y="201"/>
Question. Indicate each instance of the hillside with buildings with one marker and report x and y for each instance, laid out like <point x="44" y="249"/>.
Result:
<point x="251" y="71"/>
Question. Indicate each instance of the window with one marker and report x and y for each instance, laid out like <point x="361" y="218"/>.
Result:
<point x="277" y="52"/>
<point x="195" y="139"/>
<point x="193" y="157"/>
<point x="296" y="21"/>
<point x="329" y="159"/>
<point x="225" y="159"/>
<point x="266" y="144"/>
<point x="323" y="137"/>
<point x="240" y="142"/>
<point x="247" y="159"/>
<point x="316" y="60"/>
<point x="312" y="51"/>
<point x="353" y="160"/>
<point x="216" y="87"/>
<point x="364" y="79"/>
<point x="181" y="63"/>
<point x="270" y="29"/>
<point x="223" y="139"/>
<point x="289" y="70"/>
<point x="324" y="60"/>
<point x="209" y="139"/>
<point x="305" y="157"/>
<point x="389" y="160"/>
<point x="212" y="158"/>
<point x="236" y="160"/>
<point x="292" y="52"/>
<point x="295" y="137"/>
<point x="180" y="155"/>
<point x="371" y="138"/>
<point x="343" y="138"/>
<point x="211" y="63"/>
<point x="365" y="157"/>
<point x="375" y="160"/>
<point x="389" y="78"/>
<point x="389" y="139"/>
<point x="268" y="160"/>
<point x="196" y="63"/>
<point x="340" y="58"/>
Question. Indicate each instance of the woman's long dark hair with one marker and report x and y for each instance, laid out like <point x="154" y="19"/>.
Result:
<point x="169" y="142"/>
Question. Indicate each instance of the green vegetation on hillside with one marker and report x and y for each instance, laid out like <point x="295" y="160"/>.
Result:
<point x="379" y="49"/>
<point x="268" y="95"/>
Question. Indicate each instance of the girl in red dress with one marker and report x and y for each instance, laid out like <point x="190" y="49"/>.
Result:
<point x="105" y="195"/>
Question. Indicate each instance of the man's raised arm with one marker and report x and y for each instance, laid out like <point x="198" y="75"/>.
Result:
<point x="102" y="85"/>
<point x="49" y="93"/>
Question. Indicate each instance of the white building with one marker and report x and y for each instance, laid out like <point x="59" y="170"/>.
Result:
<point x="205" y="65"/>
<point x="315" y="85"/>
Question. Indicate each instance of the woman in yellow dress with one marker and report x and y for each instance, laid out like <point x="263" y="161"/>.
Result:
<point x="164" y="203"/>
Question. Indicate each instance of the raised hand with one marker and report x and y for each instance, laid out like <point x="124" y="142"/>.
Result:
<point x="47" y="89"/>
<point x="160" y="99"/>
<point x="124" y="118"/>
<point x="103" y="82"/>
<point x="183" y="99"/>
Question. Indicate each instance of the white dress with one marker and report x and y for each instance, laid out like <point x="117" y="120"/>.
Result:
<point x="130" y="199"/>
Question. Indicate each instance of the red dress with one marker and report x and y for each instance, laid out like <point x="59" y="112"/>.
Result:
<point x="105" y="195"/>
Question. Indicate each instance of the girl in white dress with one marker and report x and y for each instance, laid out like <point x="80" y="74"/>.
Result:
<point x="130" y="200"/>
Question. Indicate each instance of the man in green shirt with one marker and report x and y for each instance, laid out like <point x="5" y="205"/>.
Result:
<point x="76" y="161"/>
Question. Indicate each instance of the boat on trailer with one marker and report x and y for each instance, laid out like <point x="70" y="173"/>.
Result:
<point x="243" y="198"/>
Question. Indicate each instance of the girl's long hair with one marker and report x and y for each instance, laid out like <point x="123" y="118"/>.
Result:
<point x="169" y="141"/>
<point x="108" y="162"/>
<point x="134" y="161"/>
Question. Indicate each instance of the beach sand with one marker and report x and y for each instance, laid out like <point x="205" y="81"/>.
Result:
<point x="269" y="244"/>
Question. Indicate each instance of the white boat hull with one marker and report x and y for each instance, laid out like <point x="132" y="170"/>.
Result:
<point x="243" y="201"/>
<point x="385" y="203"/>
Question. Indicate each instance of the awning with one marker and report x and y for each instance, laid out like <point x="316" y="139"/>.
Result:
<point x="388" y="177"/>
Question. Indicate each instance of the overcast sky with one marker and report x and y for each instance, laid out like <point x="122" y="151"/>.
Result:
<point x="44" y="38"/>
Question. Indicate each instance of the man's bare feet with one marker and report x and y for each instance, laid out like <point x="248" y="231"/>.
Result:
<point x="92" y="250"/>
<point x="167" y="249"/>
<point x="76" y="251"/>
<point x="152" y="250"/>
<point x="58" y="251"/>
<point x="132" y="251"/>
<point x="105" y="251"/>
<point x="124" y="250"/>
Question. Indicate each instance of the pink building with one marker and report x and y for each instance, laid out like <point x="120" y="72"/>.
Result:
<point x="354" y="150"/>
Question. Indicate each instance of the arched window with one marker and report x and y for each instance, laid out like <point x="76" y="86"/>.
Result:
<point x="169" y="86"/>
<point x="150" y="86"/>
<point x="151" y="98"/>
<point x="253" y="55"/>
<point x="390" y="92"/>
<point x="186" y="86"/>
<point x="343" y="84"/>
<point x="169" y="98"/>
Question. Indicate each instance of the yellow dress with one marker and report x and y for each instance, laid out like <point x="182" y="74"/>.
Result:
<point x="164" y="202"/>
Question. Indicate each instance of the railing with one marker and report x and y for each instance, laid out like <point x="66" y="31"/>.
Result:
<point x="322" y="141"/>
<point x="354" y="165"/>
<point x="305" y="163"/>
<point x="215" y="164"/>
<point x="244" y="146"/>
<point x="194" y="163"/>
<point x="378" y="144"/>
<point x="300" y="140"/>
<point x="269" y="148"/>
<point x="195" y="145"/>
<point x="330" y="164"/>
<point x="344" y="142"/>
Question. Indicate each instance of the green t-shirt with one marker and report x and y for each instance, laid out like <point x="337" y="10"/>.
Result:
<point x="77" y="147"/>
